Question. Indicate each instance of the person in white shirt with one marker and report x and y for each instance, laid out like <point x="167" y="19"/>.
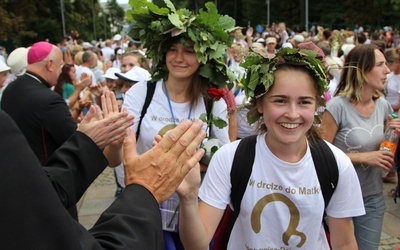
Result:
<point x="282" y="167"/>
<point x="107" y="51"/>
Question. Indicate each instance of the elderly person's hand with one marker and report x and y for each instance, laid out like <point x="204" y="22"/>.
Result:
<point x="163" y="167"/>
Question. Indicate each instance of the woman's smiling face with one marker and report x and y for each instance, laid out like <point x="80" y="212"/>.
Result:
<point x="288" y="108"/>
<point x="181" y="61"/>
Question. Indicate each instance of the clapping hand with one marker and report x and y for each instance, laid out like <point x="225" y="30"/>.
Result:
<point x="162" y="168"/>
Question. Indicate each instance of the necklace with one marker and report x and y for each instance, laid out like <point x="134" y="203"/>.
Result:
<point x="170" y="106"/>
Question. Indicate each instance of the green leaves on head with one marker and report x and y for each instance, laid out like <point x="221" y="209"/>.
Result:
<point x="260" y="72"/>
<point x="208" y="31"/>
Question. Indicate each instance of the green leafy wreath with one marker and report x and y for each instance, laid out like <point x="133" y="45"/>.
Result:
<point x="160" y="27"/>
<point x="260" y="71"/>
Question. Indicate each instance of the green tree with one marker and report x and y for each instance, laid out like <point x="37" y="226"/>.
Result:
<point x="14" y="20"/>
<point x="116" y="16"/>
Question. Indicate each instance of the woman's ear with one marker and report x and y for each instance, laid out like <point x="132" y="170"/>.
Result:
<point x="259" y="103"/>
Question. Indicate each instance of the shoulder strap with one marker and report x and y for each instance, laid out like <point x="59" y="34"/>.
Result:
<point x="242" y="167"/>
<point x="208" y="103"/>
<point x="326" y="167"/>
<point x="151" y="88"/>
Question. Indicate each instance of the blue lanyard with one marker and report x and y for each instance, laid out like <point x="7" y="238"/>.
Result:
<point x="170" y="106"/>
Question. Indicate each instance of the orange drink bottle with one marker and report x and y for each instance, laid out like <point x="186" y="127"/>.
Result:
<point x="388" y="146"/>
<point x="389" y="142"/>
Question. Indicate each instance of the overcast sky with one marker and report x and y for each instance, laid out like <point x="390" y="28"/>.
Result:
<point x="119" y="1"/>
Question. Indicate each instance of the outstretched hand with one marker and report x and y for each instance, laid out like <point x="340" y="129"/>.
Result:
<point x="103" y="131"/>
<point x="109" y="103"/>
<point x="163" y="167"/>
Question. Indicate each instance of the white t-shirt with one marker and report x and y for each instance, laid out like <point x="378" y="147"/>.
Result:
<point x="287" y="196"/>
<point x="107" y="53"/>
<point x="158" y="119"/>
<point x="244" y="128"/>
<point x="392" y="89"/>
<point x="83" y="69"/>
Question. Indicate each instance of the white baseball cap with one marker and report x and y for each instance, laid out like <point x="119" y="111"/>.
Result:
<point x="298" y="38"/>
<point x="117" y="37"/>
<point x="3" y="66"/>
<point x="18" y="60"/>
<point x="111" y="73"/>
<point x="136" y="74"/>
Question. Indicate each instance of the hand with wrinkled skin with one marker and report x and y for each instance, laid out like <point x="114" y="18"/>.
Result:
<point x="103" y="131"/>
<point x="163" y="167"/>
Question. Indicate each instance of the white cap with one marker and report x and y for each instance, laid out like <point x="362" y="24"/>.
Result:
<point x="270" y="40"/>
<point x="18" y="60"/>
<point x="117" y="37"/>
<point x="260" y="40"/>
<point x="287" y="45"/>
<point x="257" y="45"/>
<point x="136" y="74"/>
<point x="3" y="66"/>
<point x="298" y="38"/>
<point x="87" y="45"/>
<point x="110" y="73"/>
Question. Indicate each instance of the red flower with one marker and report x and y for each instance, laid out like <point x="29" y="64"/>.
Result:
<point x="216" y="93"/>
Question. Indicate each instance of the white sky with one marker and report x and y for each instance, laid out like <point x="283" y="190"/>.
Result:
<point x="119" y="1"/>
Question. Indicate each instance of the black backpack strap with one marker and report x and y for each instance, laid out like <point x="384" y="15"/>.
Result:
<point x="326" y="167"/>
<point x="327" y="172"/>
<point x="242" y="167"/>
<point x="208" y="103"/>
<point x="151" y="88"/>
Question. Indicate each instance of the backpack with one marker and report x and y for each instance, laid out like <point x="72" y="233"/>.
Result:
<point x="325" y="166"/>
<point x="151" y="88"/>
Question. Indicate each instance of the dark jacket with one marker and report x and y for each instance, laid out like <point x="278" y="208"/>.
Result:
<point x="32" y="216"/>
<point x="41" y="114"/>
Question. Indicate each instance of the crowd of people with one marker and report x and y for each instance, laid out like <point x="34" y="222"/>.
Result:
<point x="76" y="107"/>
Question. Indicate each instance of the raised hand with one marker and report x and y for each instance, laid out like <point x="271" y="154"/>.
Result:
<point x="83" y="82"/>
<point x="163" y="167"/>
<point x="109" y="103"/>
<point x="103" y="131"/>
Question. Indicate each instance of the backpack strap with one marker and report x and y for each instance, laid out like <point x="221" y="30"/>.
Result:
<point x="151" y="88"/>
<point x="326" y="167"/>
<point x="208" y="103"/>
<point x="242" y="167"/>
<point x="327" y="172"/>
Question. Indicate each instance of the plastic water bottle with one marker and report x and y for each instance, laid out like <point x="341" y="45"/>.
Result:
<point x="389" y="142"/>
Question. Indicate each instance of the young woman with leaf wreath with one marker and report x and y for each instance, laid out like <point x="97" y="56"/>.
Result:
<point x="282" y="206"/>
<point x="187" y="51"/>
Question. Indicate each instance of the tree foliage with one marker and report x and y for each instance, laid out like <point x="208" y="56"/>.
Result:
<point x="332" y="14"/>
<point x="24" y="22"/>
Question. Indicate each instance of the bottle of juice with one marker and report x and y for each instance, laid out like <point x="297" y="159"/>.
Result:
<point x="389" y="142"/>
